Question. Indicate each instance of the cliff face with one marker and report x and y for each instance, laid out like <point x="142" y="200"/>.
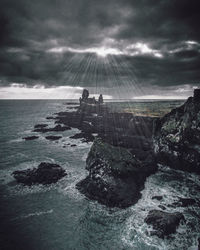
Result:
<point x="116" y="177"/>
<point x="177" y="136"/>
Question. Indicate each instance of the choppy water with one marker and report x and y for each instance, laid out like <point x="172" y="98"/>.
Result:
<point x="57" y="216"/>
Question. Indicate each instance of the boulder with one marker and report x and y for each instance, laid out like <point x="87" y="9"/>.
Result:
<point x="46" y="173"/>
<point x="115" y="177"/>
<point x="163" y="223"/>
<point x="177" y="136"/>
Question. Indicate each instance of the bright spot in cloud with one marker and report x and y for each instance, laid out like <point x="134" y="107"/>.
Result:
<point x="103" y="51"/>
<point x="141" y="49"/>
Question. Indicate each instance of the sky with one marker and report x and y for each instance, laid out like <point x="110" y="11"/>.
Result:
<point x="120" y="48"/>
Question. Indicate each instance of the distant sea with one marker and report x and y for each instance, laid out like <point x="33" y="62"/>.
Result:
<point x="57" y="217"/>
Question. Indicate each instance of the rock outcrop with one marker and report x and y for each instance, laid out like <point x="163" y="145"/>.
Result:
<point x="115" y="177"/>
<point x="46" y="173"/>
<point x="163" y="223"/>
<point x="177" y="136"/>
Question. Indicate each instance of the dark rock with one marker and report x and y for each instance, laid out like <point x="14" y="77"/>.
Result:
<point x="53" y="137"/>
<point x="50" y="118"/>
<point x="57" y="128"/>
<point x="177" y="137"/>
<point x="158" y="197"/>
<point x="46" y="173"/>
<point x="162" y="207"/>
<point x="197" y="95"/>
<point x="184" y="202"/>
<point x="73" y="145"/>
<point x="30" y="138"/>
<point x="86" y="136"/>
<point x="163" y="223"/>
<point x="40" y="125"/>
<point x="115" y="178"/>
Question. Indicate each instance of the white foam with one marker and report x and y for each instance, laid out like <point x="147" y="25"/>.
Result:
<point x="39" y="213"/>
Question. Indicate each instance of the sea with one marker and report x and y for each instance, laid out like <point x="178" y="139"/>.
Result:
<point x="57" y="216"/>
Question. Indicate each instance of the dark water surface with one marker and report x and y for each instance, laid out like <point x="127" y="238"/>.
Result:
<point x="58" y="216"/>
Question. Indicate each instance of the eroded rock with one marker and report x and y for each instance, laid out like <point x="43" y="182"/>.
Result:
<point x="163" y="223"/>
<point x="46" y="173"/>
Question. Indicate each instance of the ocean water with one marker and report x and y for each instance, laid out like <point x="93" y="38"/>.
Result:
<point x="57" y="216"/>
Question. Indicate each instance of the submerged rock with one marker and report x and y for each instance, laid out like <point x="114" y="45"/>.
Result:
<point x="40" y="125"/>
<point x="46" y="173"/>
<point x="163" y="223"/>
<point x="30" y="138"/>
<point x="115" y="177"/>
<point x="53" y="137"/>
<point x="177" y="136"/>
<point x="157" y="197"/>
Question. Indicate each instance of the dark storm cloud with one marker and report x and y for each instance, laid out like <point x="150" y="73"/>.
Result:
<point x="29" y="30"/>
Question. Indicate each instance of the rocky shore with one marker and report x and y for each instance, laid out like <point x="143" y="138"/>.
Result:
<point x="126" y="150"/>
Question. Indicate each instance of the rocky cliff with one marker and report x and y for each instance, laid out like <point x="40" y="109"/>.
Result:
<point x="177" y="136"/>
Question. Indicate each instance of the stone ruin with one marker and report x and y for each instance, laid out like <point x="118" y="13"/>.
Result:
<point x="85" y="99"/>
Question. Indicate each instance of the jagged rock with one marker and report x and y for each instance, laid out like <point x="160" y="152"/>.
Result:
<point x="115" y="177"/>
<point x="163" y="223"/>
<point x="177" y="136"/>
<point x="53" y="137"/>
<point x="40" y="125"/>
<point x="30" y="138"/>
<point x="158" y="197"/>
<point x="184" y="202"/>
<point x="46" y="173"/>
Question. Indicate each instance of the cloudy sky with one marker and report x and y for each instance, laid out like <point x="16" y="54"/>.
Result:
<point x="122" y="48"/>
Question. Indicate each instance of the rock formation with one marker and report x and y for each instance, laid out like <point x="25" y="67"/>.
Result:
<point x="163" y="223"/>
<point x="46" y="173"/>
<point x="115" y="177"/>
<point x="177" y="136"/>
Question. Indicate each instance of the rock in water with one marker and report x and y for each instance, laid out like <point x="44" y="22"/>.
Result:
<point x="177" y="136"/>
<point x="115" y="177"/>
<point x="46" y="173"/>
<point x="30" y="138"/>
<point x="163" y="223"/>
<point x="53" y="137"/>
